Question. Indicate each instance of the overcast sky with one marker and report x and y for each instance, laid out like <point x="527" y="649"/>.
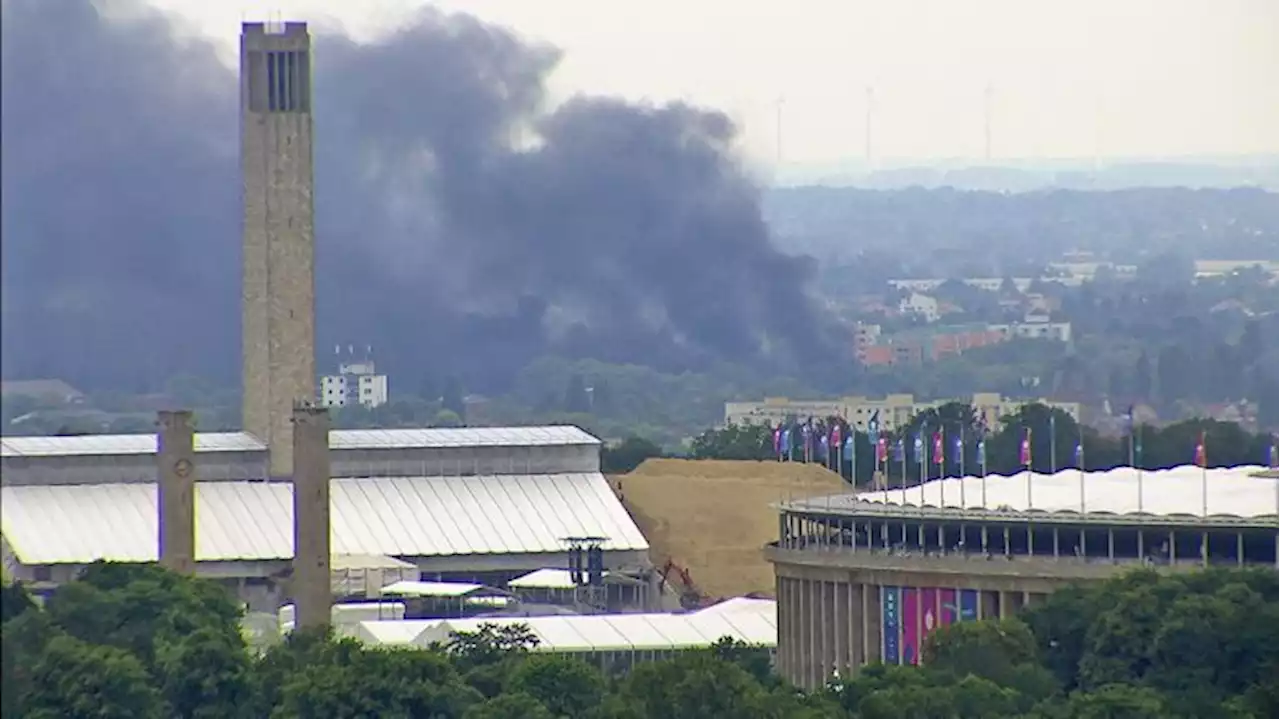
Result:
<point x="1117" y="77"/>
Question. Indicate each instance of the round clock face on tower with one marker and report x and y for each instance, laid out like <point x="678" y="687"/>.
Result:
<point x="182" y="468"/>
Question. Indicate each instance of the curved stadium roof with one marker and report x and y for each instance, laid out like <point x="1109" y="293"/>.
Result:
<point x="1246" y="492"/>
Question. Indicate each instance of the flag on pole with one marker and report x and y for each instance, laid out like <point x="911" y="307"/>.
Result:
<point x="1271" y="454"/>
<point x="1024" y="452"/>
<point x="957" y="445"/>
<point x="777" y="441"/>
<point x="939" y="456"/>
<point x="899" y="451"/>
<point x="851" y="454"/>
<point x="1078" y="456"/>
<point x="982" y="454"/>
<point x="1202" y="459"/>
<point x="824" y="447"/>
<point x="786" y="443"/>
<point x="881" y="450"/>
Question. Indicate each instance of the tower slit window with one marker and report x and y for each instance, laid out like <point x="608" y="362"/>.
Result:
<point x="271" y="82"/>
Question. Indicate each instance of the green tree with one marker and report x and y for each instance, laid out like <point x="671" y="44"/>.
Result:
<point x="576" y="399"/>
<point x="694" y="685"/>
<point x="627" y="455"/>
<point x="1117" y="701"/>
<point x="735" y="442"/>
<point x="566" y="686"/>
<point x="509" y="706"/>
<point x="76" y="680"/>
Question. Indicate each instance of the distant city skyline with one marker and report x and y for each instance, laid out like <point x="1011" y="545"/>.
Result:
<point x="1116" y="78"/>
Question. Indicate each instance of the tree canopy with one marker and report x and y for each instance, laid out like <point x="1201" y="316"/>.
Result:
<point x="129" y="641"/>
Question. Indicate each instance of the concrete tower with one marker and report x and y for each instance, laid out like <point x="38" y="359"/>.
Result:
<point x="311" y="588"/>
<point x="278" y="331"/>
<point x="175" y="465"/>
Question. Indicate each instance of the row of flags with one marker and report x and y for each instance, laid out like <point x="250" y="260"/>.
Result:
<point x="832" y="443"/>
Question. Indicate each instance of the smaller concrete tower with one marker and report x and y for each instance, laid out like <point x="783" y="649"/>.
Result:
<point x="311" y="589"/>
<point x="176" y="489"/>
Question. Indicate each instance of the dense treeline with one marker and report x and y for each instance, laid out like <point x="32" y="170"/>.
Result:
<point x="129" y="641"/>
<point x="1057" y="442"/>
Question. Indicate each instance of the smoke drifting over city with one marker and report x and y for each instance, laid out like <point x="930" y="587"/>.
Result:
<point x="462" y="224"/>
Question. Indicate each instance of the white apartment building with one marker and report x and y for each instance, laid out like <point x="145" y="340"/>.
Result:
<point x="1036" y="325"/>
<point x="355" y="383"/>
<point x="922" y="306"/>
<point x="895" y="410"/>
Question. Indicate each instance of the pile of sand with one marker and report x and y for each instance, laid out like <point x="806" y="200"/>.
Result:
<point x="713" y="516"/>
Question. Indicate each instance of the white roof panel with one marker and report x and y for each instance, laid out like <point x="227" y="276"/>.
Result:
<point x="368" y="439"/>
<point x="553" y="436"/>
<point x="544" y="579"/>
<point x="410" y="588"/>
<point x="1243" y="492"/>
<point x="391" y="516"/>
<point x="390" y="632"/>
<point x="622" y="632"/>
<point x="121" y="444"/>
<point x="742" y="605"/>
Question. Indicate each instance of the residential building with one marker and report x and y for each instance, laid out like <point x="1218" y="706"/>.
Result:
<point x="894" y="410"/>
<point x="927" y="344"/>
<point x="1218" y="268"/>
<point x="1035" y="325"/>
<point x="920" y="305"/>
<point x="355" y="383"/>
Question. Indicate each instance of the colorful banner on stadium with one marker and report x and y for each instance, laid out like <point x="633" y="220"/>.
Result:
<point x="910" y="624"/>
<point x="892" y="602"/>
<point x="910" y="614"/>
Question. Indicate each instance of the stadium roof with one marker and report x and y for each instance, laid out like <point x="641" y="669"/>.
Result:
<point x="554" y="436"/>
<point x="1245" y="492"/>
<point x="392" y="516"/>
<point x="121" y="444"/>
<point x="599" y="632"/>
<point x="352" y="439"/>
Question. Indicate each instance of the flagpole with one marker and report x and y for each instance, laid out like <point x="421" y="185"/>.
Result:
<point x="1053" y="443"/>
<point x="1204" y="475"/>
<point x="1026" y="443"/>
<point x="1080" y="463"/>
<point x="982" y="468"/>
<point x="942" y="468"/>
<point x="1139" y="469"/>
<point x="963" y="506"/>
<point x="903" y="462"/>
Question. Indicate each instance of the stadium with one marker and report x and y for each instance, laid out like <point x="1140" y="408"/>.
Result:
<point x="865" y="577"/>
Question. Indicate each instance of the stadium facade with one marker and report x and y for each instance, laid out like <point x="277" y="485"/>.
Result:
<point x="864" y="578"/>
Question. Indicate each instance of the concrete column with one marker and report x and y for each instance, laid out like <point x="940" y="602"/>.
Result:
<point x="810" y="632"/>
<point x="843" y="629"/>
<point x="312" y="596"/>
<point x="176" y="490"/>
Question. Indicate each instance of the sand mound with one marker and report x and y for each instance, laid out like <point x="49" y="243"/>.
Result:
<point x="713" y="516"/>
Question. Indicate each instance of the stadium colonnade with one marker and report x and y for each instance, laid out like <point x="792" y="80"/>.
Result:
<point x="866" y="577"/>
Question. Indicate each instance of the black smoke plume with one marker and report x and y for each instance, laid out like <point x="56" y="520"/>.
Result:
<point x="463" y="225"/>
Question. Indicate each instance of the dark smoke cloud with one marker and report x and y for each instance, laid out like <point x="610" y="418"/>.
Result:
<point x="463" y="225"/>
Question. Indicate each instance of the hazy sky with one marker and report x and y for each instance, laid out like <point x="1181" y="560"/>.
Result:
<point x="1120" y="77"/>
